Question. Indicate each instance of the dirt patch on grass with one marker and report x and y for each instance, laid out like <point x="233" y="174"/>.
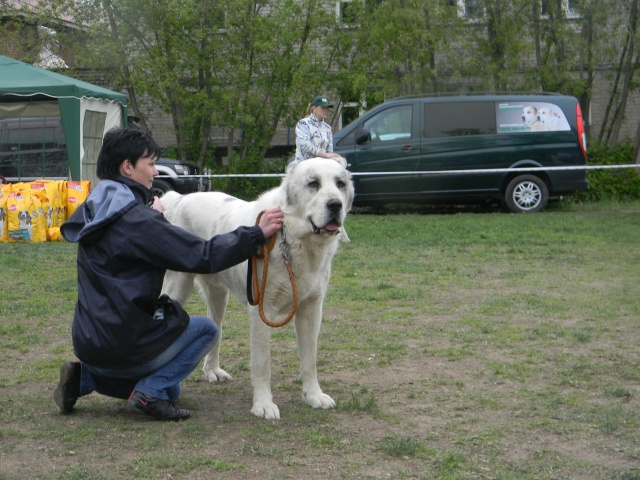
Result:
<point x="454" y="414"/>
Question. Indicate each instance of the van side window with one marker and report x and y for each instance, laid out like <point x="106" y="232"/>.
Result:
<point x="451" y="119"/>
<point x="390" y="124"/>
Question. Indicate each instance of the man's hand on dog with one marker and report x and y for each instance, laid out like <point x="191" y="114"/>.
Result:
<point x="271" y="221"/>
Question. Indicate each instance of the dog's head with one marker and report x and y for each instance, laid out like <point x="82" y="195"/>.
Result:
<point x="529" y="115"/>
<point x="24" y="217"/>
<point x="321" y="192"/>
<point x="547" y="116"/>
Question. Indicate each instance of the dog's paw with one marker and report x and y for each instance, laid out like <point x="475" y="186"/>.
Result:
<point x="320" y="400"/>
<point x="217" y="375"/>
<point x="268" y="410"/>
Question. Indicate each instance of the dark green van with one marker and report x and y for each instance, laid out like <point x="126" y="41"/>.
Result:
<point x="456" y="149"/>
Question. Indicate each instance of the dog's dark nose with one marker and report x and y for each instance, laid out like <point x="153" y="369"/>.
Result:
<point x="334" y="205"/>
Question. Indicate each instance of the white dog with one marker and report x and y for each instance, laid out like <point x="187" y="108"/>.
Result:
<point x="530" y="118"/>
<point x="315" y="197"/>
<point x="551" y="121"/>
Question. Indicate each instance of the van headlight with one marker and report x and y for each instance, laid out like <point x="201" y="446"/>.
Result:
<point x="181" y="170"/>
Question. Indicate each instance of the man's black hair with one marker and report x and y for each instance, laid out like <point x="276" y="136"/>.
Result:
<point x="120" y="144"/>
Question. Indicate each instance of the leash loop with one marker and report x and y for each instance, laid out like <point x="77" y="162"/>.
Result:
<point x="257" y="296"/>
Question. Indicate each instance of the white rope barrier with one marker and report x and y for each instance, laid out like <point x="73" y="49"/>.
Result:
<point x="421" y="172"/>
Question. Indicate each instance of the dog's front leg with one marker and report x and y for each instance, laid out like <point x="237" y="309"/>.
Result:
<point x="307" y="322"/>
<point x="263" y="405"/>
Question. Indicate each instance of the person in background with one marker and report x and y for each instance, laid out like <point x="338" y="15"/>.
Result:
<point x="132" y="342"/>
<point x="314" y="137"/>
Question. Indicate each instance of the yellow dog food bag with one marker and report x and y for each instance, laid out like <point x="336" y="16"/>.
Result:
<point x="61" y="209"/>
<point x="48" y="192"/>
<point x="38" y="220"/>
<point x="77" y="193"/>
<point x="54" y="212"/>
<point x="19" y="218"/>
<point x="39" y="188"/>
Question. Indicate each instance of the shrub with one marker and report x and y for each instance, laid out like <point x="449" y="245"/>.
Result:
<point x="614" y="184"/>
<point x="248" y="188"/>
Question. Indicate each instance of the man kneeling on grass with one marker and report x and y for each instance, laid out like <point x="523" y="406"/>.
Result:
<point x="133" y="343"/>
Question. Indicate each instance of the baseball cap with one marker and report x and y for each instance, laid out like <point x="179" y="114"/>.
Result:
<point x="321" y="102"/>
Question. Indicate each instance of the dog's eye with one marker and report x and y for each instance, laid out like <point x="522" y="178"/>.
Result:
<point x="313" y="184"/>
<point x="341" y="185"/>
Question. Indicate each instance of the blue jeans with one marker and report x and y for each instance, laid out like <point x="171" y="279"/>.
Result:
<point x="160" y="378"/>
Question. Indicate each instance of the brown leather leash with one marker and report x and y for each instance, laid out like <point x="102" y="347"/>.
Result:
<point x="252" y="278"/>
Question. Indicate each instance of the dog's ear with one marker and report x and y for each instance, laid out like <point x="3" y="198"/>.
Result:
<point x="290" y="193"/>
<point x="341" y="160"/>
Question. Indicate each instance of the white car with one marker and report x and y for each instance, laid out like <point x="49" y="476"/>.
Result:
<point x="183" y="177"/>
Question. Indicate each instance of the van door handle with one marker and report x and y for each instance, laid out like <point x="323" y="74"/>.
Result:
<point x="407" y="148"/>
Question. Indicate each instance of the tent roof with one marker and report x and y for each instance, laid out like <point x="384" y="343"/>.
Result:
<point x="21" y="79"/>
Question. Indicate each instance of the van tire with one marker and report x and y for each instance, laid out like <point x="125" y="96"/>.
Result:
<point x="526" y="193"/>
<point x="160" y="187"/>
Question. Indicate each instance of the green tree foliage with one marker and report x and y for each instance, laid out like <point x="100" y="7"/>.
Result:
<point x="249" y="66"/>
<point x="20" y="35"/>
<point x="392" y="47"/>
<point x="238" y="64"/>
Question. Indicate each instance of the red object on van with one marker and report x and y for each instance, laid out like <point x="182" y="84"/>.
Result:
<point x="581" y="133"/>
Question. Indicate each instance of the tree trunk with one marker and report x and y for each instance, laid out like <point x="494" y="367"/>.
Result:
<point x="612" y="98"/>
<point x="131" y="93"/>
<point x="627" y="74"/>
<point x="535" y="14"/>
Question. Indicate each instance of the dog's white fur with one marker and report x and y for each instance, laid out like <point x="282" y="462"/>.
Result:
<point x="550" y="120"/>
<point x="315" y="197"/>
<point x="530" y="118"/>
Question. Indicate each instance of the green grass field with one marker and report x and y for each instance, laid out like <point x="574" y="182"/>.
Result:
<point x="458" y="346"/>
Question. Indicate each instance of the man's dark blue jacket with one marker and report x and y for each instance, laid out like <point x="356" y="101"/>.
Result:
<point x="124" y="250"/>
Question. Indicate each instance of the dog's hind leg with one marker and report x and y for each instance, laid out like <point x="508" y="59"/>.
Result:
<point x="178" y="285"/>
<point x="307" y="323"/>
<point x="216" y="297"/>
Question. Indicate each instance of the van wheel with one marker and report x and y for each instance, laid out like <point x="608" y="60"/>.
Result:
<point x="526" y="193"/>
<point x="160" y="187"/>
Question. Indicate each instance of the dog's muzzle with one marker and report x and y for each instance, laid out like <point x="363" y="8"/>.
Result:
<point x="332" y="227"/>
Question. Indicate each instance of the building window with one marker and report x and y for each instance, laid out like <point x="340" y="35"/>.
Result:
<point x="570" y="8"/>
<point x="346" y="12"/>
<point x="473" y="9"/>
<point x="573" y="8"/>
<point x="469" y="9"/>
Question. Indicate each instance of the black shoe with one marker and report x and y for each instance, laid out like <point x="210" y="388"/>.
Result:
<point x="68" y="390"/>
<point x="156" y="408"/>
